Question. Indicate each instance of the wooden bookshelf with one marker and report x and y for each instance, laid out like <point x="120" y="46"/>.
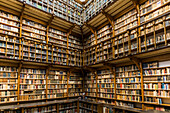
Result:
<point x="156" y="84"/>
<point x="128" y="86"/>
<point x="90" y="86"/>
<point x="9" y="23"/>
<point x="57" y="84"/>
<point x="32" y="84"/>
<point x="75" y="84"/>
<point x="130" y="35"/>
<point x="8" y="84"/>
<point x="106" y="91"/>
<point x="137" y="32"/>
<point x="33" y="30"/>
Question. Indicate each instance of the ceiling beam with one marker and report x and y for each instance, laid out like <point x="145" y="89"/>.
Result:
<point x="136" y="5"/>
<point x="50" y="21"/>
<point x="109" y="18"/>
<point x="137" y="61"/>
<point x="70" y="29"/>
<point x="23" y="8"/>
<point x="92" y="29"/>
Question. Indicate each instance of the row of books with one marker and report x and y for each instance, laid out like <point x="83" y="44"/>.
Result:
<point x="153" y="100"/>
<point x="159" y="108"/>
<point x="129" y="98"/>
<point x="108" y="90"/>
<point x="58" y="86"/>
<point x="128" y="92"/>
<point x="129" y="80"/>
<point x="104" y="95"/>
<point x="125" y="104"/>
<point x="157" y="93"/>
<point x="163" y="71"/>
<point x="157" y="79"/>
<point x="157" y="86"/>
<point x="128" y="74"/>
<point x="57" y="91"/>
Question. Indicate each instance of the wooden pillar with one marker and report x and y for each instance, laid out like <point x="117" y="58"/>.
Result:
<point x="20" y="31"/>
<point x="47" y="31"/>
<point x="139" y="31"/>
<point x="47" y="74"/>
<point x="68" y="34"/>
<point x="68" y="76"/>
<point x="95" y="34"/>
<point x="96" y="85"/>
<point x="142" y="84"/>
<point x="77" y="106"/>
<point x="19" y="71"/>
<point x="164" y="19"/>
<point x="129" y="42"/>
<point x="154" y="34"/>
<point x="57" y="108"/>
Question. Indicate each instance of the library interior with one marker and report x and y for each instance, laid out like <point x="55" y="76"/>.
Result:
<point x="84" y="56"/>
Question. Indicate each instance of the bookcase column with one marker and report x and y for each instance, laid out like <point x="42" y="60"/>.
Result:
<point x="19" y="71"/>
<point x="20" y="31"/>
<point x="47" y="74"/>
<point x="142" y="85"/>
<point x="154" y="34"/>
<point x="164" y="25"/>
<point x="139" y="30"/>
<point x="47" y="31"/>
<point x="68" y="34"/>
<point x="95" y="34"/>
<point x="96" y="85"/>
<point x="129" y="42"/>
<point x="68" y="75"/>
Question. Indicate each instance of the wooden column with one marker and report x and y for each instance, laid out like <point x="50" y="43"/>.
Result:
<point x="20" y="31"/>
<point x="129" y="42"/>
<point x="47" y="30"/>
<point x="96" y="85"/>
<point x="83" y="80"/>
<point x="83" y="52"/>
<point x="95" y="34"/>
<point x="77" y="106"/>
<point x="164" y="19"/>
<point x="57" y="108"/>
<point x="139" y="31"/>
<point x="19" y="71"/>
<point x="154" y="34"/>
<point x="68" y="76"/>
<point x="47" y="74"/>
<point x="68" y="34"/>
